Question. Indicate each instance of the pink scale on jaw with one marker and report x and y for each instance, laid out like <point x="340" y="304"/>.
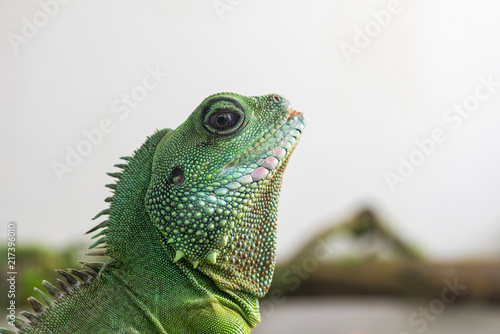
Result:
<point x="270" y="163"/>
<point x="279" y="152"/>
<point x="245" y="179"/>
<point x="259" y="173"/>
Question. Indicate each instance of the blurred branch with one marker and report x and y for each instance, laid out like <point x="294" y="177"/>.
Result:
<point x="402" y="271"/>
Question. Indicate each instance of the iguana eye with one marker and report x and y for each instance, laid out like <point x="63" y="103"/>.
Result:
<point x="225" y="121"/>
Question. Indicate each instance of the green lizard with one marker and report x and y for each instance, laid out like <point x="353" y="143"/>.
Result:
<point x="191" y="229"/>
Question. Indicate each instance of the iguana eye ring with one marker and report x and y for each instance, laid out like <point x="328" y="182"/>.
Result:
<point x="224" y="121"/>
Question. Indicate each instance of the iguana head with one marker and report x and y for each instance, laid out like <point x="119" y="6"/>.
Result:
<point x="215" y="186"/>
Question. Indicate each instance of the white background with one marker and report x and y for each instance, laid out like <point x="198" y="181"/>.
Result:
<point x="363" y="112"/>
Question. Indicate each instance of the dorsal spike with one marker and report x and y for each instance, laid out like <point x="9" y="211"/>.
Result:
<point x="98" y="242"/>
<point x="98" y="226"/>
<point x="20" y="323"/>
<point x="212" y="257"/>
<point x="65" y="287"/>
<point x="171" y="240"/>
<point x="52" y="290"/>
<point x="102" y="232"/>
<point x="116" y="175"/>
<point x="111" y="186"/>
<point x="37" y="306"/>
<point x="95" y="266"/>
<point x="89" y="273"/>
<point x="47" y="300"/>
<point x="108" y="199"/>
<point x="127" y="158"/>
<point x="178" y="255"/>
<point x="107" y="264"/>
<point x="95" y="228"/>
<point x="196" y="263"/>
<point x="69" y="278"/>
<point x="122" y="166"/>
<point x="31" y="317"/>
<point x="103" y="212"/>
<point x="84" y="277"/>
<point x="102" y="252"/>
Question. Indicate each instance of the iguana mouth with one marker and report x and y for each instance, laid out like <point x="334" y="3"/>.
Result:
<point x="269" y="152"/>
<point x="277" y="157"/>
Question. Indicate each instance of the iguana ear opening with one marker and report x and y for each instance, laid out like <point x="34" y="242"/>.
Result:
<point x="177" y="176"/>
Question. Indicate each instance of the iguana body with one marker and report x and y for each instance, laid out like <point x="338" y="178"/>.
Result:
<point x="191" y="228"/>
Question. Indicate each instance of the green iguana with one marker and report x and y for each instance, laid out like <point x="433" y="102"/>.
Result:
<point x="190" y="232"/>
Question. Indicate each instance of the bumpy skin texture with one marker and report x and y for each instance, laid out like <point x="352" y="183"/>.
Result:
<point x="191" y="229"/>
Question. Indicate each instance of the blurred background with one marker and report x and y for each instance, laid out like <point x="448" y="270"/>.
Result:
<point x="390" y="198"/>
